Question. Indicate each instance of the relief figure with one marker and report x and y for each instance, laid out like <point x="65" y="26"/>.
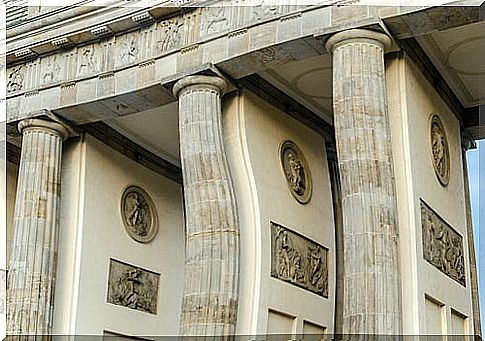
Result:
<point x="296" y="171"/>
<point x="86" y="64"/>
<point x="216" y="20"/>
<point x="439" y="150"/>
<point x="129" y="51"/>
<point x="296" y="174"/>
<point x="171" y="35"/>
<point x="15" y="79"/>
<point x="138" y="214"/>
<point x="298" y="260"/>
<point x="132" y="287"/>
<point x="51" y="71"/>
<point x="442" y="245"/>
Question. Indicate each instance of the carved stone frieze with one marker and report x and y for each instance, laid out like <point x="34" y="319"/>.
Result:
<point x="133" y="287"/>
<point x="440" y="150"/>
<point x="214" y="20"/>
<point x="15" y="79"/>
<point x="296" y="171"/>
<point x="109" y="53"/>
<point x="298" y="260"/>
<point x="52" y="69"/>
<point x="138" y="214"/>
<point x="170" y="35"/>
<point x="87" y="61"/>
<point x="442" y="245"/>
<point x="129" y="50"/>
<point x="265" y="10"/>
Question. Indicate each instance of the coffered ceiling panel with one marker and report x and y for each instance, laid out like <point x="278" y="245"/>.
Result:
<point x="309" y="81"/>
<point x="459" y="56"/>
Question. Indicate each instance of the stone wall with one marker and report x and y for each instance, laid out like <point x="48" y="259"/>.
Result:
<point x="276" y="227"/>
<point x="93" y="236"/>
<point x="438" y="282"/>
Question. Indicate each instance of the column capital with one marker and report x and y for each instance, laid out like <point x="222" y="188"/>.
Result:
<point x="36" y="123"/>
<point x="358" y="35"/>
<point x="213" y="82"/>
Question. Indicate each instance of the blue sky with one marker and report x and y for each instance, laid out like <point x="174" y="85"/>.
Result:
<point x="476" y="170"/>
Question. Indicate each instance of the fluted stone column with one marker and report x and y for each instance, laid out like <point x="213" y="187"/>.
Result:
<point x="212" y="233"/>
<point x="372" y="278"/>
<point x="32" y="267"/>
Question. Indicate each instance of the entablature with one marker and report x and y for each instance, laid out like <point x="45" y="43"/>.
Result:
<point x="89" y="69"/>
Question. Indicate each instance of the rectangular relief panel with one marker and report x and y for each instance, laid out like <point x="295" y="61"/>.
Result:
<point x="434" y="317"/>
<point x="442" y="245"/>
<point x="298" y="260"/>
<point x="133" y="287"/>
<point x="280" y="324"/>
<point x="458" y="323"/>
<point x="313" y="331"/>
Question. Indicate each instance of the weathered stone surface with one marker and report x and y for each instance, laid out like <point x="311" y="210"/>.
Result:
<point x="372" y="280"/>
<point x="3" y="288"/>
<point x="133" y="287"/>
<point x="442" y="245"/>
<point x="32" y="268"/>
<point x="212" y="232"/>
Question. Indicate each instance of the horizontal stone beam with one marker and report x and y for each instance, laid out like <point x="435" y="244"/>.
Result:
<point x="433" y="19"/>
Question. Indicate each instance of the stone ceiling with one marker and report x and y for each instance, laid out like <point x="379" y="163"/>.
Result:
<point x="458" y="54"/>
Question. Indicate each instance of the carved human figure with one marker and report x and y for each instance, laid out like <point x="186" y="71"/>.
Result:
<point x="51" y="71"/>
<point x="264" y="10"/>
<point x="316" y="268"/>
<point x="15" y="79"/>
<point x="430" y="245"/>
<point x="136" y="214"/>
<point x="438" y="149"/>
<point x="284" y="254"/>
<point x="132" y="287"/>
<point x="297" y="270"/>
<point x="129" y="51"/>
<point x="132" y="291"/>
<point x="454" y="257"/>
<point x="297" y="178"/>
<point x="216" y="21"/>
<point x="442" y="246"/>
<point x="86" y="63"/>
<point x="170" y="35"/>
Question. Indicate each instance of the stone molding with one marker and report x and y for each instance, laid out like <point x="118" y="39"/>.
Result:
<point x="358" y="35"/>
<point x="198" y="81"/>
<point x="40" y="124"/>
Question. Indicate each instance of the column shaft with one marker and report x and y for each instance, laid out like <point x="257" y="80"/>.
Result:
<point x="32" y="267"/>
<point x="372" y="278"/>
<point x="212" y="233"/>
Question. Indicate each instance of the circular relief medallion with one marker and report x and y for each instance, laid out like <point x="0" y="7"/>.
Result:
<point x="296" y="171"/>
<point x="138" y="214"/>
<point x="440" y="151"/>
